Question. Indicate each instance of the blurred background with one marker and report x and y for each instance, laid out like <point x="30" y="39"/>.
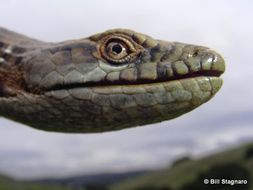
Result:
<point x="224" y="122"/>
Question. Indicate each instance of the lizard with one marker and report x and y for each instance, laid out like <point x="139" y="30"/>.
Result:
<point x="109" y="81"/>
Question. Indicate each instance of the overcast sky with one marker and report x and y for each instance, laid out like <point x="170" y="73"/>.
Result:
<point x="225" y="121"/>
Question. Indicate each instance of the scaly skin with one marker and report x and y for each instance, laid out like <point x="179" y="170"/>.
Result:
<point x="109" y="81"/>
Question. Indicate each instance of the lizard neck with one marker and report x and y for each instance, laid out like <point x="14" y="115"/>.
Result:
<point x="10" y="76"/>
<point x="14" y="48"/>
<point x="10" y="54"/>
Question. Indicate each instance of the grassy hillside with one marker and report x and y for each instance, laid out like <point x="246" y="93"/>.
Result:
<point x="10" y="184"/>
<point x="190" y="174"/>
<point x="185" y="174"/>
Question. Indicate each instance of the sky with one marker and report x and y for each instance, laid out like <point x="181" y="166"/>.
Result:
<point x="226" y="121"/>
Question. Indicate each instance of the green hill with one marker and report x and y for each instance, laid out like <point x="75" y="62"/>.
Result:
<point x="184" y="174"/>
<point x="10" y="184"/>
<point x="236" y="164"/>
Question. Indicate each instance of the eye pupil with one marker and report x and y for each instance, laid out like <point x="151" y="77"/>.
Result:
<point x="117" y="48"/>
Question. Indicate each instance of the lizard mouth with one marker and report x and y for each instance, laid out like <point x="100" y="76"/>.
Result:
<point x="210" y="73"/>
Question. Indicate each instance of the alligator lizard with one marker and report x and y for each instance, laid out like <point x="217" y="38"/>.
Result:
<point x="112" y="80"/>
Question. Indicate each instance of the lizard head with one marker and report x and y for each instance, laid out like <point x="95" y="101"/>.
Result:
<point x="113" y="80"/>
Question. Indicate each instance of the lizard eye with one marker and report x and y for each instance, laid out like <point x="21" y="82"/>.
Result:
<point x="119" y="49"/>
<point x="116" y="50"/>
